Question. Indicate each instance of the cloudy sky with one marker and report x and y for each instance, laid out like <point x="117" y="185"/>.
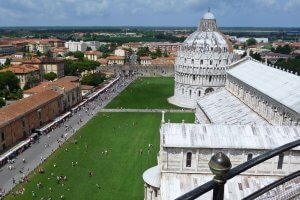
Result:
<point x="279" y="13"/>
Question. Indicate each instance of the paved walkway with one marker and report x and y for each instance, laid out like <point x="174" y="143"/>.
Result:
<point x="47" y="144"/>
<point x="147" y="110"/>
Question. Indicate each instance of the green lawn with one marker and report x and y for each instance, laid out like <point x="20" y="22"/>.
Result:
<point x="119" y="174"/>
<point x="146" y="93"/>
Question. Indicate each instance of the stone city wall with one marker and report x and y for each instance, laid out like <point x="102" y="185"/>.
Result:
<point x="147" y="71"/>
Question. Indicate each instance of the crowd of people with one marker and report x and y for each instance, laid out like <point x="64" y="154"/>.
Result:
<point x="66" y="127"/>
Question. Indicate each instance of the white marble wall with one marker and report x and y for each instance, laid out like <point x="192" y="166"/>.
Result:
<point x="151" y="193"/>
<point x="198" y="73"/>
<point x="274" y="112"/>
<point x="174" y="160"/>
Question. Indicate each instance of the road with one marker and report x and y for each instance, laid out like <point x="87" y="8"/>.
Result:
<point x="40" y="151"/>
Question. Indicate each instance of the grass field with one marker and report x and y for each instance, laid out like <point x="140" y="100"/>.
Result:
<point x="146" y="93"/>
<point x="119" y="174"/>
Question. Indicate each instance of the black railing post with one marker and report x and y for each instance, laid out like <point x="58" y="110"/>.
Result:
<point x="219" y="165"/>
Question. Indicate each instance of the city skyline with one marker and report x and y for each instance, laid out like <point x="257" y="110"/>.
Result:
<point x="254" y="13"/>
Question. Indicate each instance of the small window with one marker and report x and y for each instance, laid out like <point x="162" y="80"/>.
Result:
<point x="250" y="156"/>
<point x="280" y="161"/>
<point x="182" y="91"/>
<point x="199" y="93"/>
<point x="210" y="62"/>
<point x="40" y="115"/>
<point x="210" y="77"/>
<point x="190" y="93"/>
<point x="2" y="136"/>
<point x="185" y="60"/>
<point x="155" y="193"/>
<point x="194" y="77"/>
<point x="23" y="123"/>
<point x="189" y="159"/>
<point x="201" y="62"/>
<point x="192" y="61"/>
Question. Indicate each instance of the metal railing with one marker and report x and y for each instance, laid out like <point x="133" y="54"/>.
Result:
<point x="220" y="166"/>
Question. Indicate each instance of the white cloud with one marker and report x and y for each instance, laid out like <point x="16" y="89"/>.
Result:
<point x="292" y="4"/>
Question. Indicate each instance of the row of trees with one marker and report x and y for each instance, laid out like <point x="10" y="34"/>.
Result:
<point x="93" y="79"/>
<point x="75" y="68"/>
<point x="290" y="64"/>
<point x="144" y="51"/>
<point x="286" y="49"/>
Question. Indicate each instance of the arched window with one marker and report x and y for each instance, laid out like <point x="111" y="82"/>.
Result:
<point x="201" y="62"/>
<point x="185" y="60"/>
<point x="280" y="161"/>
<point x="192" y="61"/>
<point x="210" y="62"/>
<point x="199" y="93"/>
<point x="210" y="77"/>
<point x="189" y="159"/>
<point x="182" y="90"/>
<point x="190" y="93"/>
<point x="194" y="77"/>
<point x="250" y="156"/>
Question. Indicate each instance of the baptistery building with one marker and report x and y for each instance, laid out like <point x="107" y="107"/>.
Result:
<point x="201" y="63"/>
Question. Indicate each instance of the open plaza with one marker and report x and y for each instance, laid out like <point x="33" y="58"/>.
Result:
<point x="106" y="157"/>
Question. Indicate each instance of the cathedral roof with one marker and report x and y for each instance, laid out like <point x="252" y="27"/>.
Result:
<point x="222" y="107"/>
<point x="227" y="136"/>
<point x="279" y="85"/>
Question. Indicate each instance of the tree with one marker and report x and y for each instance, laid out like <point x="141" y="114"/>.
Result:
<point x="49" y="54"/>
<point x="290" y="64"/>
<point x="79" y="55"/>
<point x="2" y="102"/>
<point x="156" y="54"/>
<point x="251" y="41"/>
<point x="93" y="79"/>
<point x="51" y="76"/>
<point x="69" y="53"/>
<point x="7" y="62"/>
<point x="286" y="49"/>
<point x="39" y="53"/>
<point x="9" y="85"/>
<point x="143" y="51"/>
<point x="256" y="56"/>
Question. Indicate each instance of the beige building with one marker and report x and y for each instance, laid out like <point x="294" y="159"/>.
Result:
<point x="19" y="119"/>
<point x="27" y="74"/>
<point x="116" y="60"/>
<point x="92" y="55"/>
<point x="68" y="86"/>
<point x="48" y="65"/>
<point x="146" y="60"/>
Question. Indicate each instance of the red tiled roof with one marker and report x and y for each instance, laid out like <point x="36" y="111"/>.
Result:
<point x="145" y="58"/>
<point x="23" y="106"/>
<point x="92" y="53"/>
<point x="21" y="69"/>
<point x="67" y="82"/>
<point x="115" y="58"/>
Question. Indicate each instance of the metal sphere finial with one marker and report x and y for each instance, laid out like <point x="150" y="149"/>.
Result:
<point x="219" y="165"/>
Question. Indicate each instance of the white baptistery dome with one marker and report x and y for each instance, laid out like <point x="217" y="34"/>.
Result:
<point x="201" y="63"/>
